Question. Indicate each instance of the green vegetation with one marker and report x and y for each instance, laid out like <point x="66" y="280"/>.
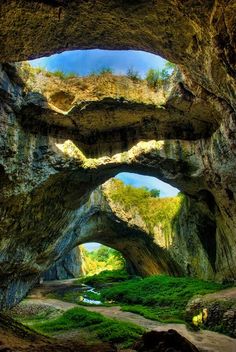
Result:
<point x="155" y="211"/>
<point x="105" y="70"/>
<point x="103" y="258"/>
<point x="64" y="75"/>
<point x="106" y="276"/>
<point x="58" y="73"/>
<point x="155" y="193"/>
<point x="156" y="77"/>
<point x="133" y="74"/>
<point x="106" y="329"/>
<point x="162" y="298"/>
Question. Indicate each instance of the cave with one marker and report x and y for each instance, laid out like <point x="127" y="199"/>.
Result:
<point x="55" y="158"/>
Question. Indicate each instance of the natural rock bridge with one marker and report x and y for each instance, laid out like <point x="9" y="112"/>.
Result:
<point x="47" y="172"/>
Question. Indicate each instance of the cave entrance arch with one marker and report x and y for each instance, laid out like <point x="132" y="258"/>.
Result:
<point x="97" y="257"/>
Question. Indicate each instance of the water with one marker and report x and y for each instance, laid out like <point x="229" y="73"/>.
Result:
<point x="89" y="300"/>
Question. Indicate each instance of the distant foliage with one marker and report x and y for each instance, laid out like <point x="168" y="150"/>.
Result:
<point x="155" y="193"/>
<point x="133" y="74"/>
<point x="105" y="70"/>
<point x="64" y="75"/>
<point x="106" y="276"/>
<point x="103" y="258"/>
<point x="156" y="77"/>
<point x="58" y="73"/>
<point x="155" y="211"/>
<point x="170" y="65"/>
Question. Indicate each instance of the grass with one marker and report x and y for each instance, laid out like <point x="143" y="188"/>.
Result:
<point x="106" y="276"/>
<point x="154" y="211"/>
<point x="161" y="298"/>
<point x="101" y="259"/>
<point x="108" y="330"/>
<point x="77" y="297"/>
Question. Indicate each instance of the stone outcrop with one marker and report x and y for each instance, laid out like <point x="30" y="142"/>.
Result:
<point x="164" y="341"/>
<point x="215" y="311"/>
<point x="49" y="164"/>
<point x="68" y="267"/>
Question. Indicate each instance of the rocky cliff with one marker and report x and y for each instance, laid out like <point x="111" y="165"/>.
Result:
<point x="68" y="267"/>
<point x="57" y="148"/>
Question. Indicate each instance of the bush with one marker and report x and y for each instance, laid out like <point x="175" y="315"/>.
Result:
<point x="134" y="75"/>
<point x="156" y="77"/>
<point x="153" y="78"/>
<point x="155" y="193"/>
<point x="105" y="70"/>
<point x="64" y="75"/>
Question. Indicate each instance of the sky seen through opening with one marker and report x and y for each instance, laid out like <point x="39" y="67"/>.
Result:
<point x="85" y="62"/>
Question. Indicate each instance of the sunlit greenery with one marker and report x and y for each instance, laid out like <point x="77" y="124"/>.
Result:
<point x="155" y="77"/>
<point x="133" y="74"/>
<point x="163" y="298"/>
<point x="105" y="276"/>
<point x="106" y="329"/>
<point x="103" y="258"/>
<point x="154" y="211"/>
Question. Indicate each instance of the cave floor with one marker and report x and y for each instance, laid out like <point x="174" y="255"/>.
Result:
<point x="204" y="340"/>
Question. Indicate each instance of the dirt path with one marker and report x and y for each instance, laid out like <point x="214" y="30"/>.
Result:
<point x="205" y="341"/>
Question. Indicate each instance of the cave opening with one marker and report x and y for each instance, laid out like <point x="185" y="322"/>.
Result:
<point x="97" y="61"/>
<point x="184" y="134"/>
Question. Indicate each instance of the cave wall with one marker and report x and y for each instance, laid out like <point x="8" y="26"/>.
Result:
<point x="45" y="180"/>
<point x="68" y="267"/>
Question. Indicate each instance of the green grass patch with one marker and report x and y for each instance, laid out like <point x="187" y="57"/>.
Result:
<point x="109" y="330"/>
<point x="161" y="298"/>
<point x="104" y="277"/>
<point x="153" y="210"/>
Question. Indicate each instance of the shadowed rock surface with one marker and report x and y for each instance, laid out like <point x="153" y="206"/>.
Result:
<point x="47" y="172"/>
<point x="68" y="267"/>
<point x="164" y="341"/>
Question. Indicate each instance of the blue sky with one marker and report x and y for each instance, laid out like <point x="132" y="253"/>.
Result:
<point x="137" y="180"/>
<point x="83" y="62"/>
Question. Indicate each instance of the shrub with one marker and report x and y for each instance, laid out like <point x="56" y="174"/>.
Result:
<point x="155" y="193"/>
<point x="134" y="75"/>
<point x="64" y="75"/>
<point x="153" y="77"/>
<point x="105" y="70"/>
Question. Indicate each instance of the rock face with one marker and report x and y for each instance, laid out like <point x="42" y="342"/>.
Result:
<point x="164" y="341"/>
<point x="68" y="267"/>
<point x="214" y="311"/>
<point x="51" y="159"/>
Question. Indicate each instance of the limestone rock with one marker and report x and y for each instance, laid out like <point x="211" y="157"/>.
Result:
<point x="214" y="311"/>
<point x="68" y="267"/>
<point x="164" y="341"/>
<point x="51" y="161"/>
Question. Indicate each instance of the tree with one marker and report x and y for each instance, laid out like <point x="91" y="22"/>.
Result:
<point x="170" y="66"/>
<point x="153" y="77"/>
<point x="155" y="193"/>
<point x="134" y="75"/>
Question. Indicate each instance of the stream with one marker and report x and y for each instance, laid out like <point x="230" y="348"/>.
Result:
<point x="87" y="300"/>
